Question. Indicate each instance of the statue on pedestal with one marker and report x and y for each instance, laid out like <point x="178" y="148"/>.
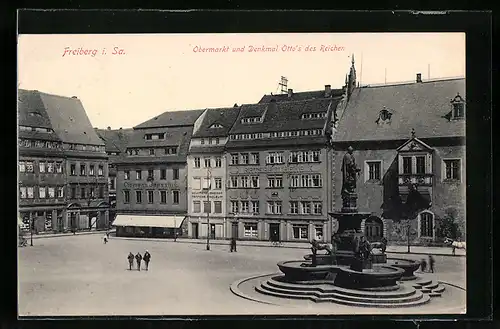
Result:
<point x="350" y="173"/>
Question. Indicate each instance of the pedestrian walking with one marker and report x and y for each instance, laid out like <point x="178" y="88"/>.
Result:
<point x="233" y="244"/>
<point x="147" y="258"/>
<point x="138" y="259"/>
<point x="130" y="260"/>
<point x="423" y="265"/>
<point x="431" y="264"/>
<point x="105" y="239"/>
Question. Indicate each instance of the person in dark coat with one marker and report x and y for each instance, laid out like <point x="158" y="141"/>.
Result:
<point x="423" y="265"/>
<point x="431" y="264"/>
<point x="147" y="258"/>
<point x="138" y="259"/>
<point x="130" y="260"/>
<point x="233" y="244"/>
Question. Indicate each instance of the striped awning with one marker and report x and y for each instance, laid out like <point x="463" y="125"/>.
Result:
<point x="149" y="221"/>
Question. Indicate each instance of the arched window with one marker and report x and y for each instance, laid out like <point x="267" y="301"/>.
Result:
<point x="374" y="229"/>
<point x="426" y="224"/>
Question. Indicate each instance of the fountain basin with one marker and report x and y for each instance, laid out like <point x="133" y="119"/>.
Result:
<point x="409" y="266"/>
<point x="342" y="258"/>
<point x="297" y="270"/>
<point x="381" y="277"/>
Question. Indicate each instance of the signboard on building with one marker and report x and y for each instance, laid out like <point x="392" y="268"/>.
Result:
<point x="151" y="185"/>
<point x="270" y="169"/>
<point x="203" y="195"/>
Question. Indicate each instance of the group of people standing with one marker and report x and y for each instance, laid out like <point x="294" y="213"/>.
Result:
<point x="139" y="258"/>
<point x="423" y="264"/>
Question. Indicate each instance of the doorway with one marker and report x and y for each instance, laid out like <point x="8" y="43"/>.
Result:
<point x="373" y="229"/>
<point x="194" y="227"/>
<point x="234" y="230"/>
<point x="212" y="231"/>
<point x="274" y="232"/>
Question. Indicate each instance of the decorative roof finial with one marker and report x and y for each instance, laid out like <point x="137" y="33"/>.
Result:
<point x="346" y="80"/>
<point x="352" y="61"/>
<point x="412" y="133"/>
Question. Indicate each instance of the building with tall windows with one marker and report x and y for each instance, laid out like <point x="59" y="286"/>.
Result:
<point x="278" y="164"/>
<point x="62" y="165"/>
<point x="151" y="178"/>
<point x="407" y="137"/>
<point x="207" y="174"/>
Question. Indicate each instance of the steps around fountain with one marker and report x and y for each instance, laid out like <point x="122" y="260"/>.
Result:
<point x="430" y="287"/>
<point x="339" y="296"/>
<point x="405" y="297"/>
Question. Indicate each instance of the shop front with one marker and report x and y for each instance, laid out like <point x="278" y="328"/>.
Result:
<point x="148" y="226"/>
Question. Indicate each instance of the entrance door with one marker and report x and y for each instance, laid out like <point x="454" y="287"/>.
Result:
<point x="373" y="229"/>
<point x="234" y="230"/>
<point x="212" y="231"/>
<point x="194" y="227"/>
<point x="274" y="232"/>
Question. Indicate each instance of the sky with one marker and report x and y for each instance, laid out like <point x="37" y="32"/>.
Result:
<point x="124" y="80"/>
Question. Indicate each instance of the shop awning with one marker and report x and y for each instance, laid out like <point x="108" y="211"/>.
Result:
<point x="149" y="221"/>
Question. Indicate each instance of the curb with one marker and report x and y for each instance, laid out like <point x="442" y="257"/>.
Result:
<point x="217" y="242"/>
<point x="60" y="235"/>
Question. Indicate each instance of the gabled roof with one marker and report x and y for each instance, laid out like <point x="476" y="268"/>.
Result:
<point x="424" y="107"/>
<point x="31" y="110"/>
<point x="172" y="119"/>
<point x="115" y="140"/>
<point x="413" y="145"/>
<point x="66" y="115"/>
<point x="283" y="116"/>
<point x="298" y="96"/>
<point x="224" y="117"/>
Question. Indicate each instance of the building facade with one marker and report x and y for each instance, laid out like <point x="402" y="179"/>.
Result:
<point x="278" y="165"/>
<point x="207" y="209"/>
<point x="151" y="178"/>
<point x="407" y="138"/>
<point x="63" y="165"/>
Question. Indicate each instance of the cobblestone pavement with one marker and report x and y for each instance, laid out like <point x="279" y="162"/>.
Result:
<point x="79" y="275"/>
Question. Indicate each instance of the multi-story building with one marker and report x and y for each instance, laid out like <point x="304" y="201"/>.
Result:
<point x="278" y="165"/>
<point x="151" y="178"/>
<point x="207" y="174"/>
<point x="406" y="137"/>
<point x="65" y="169"/>
<point x="116" y="144"/>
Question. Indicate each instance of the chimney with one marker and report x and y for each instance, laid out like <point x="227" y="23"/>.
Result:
<point x="235" y="105"/>
<point x="328" y="90"/>
<point x="74" y="97"/>
<point x="290" y="93"/>
<point x="419" y="77"/>
<point x="109" y="128"/>
<point x="120" y="128"/>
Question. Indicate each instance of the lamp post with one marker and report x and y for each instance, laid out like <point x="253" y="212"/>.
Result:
<point x="210" y="208"/>
<point x="31" y="230"/>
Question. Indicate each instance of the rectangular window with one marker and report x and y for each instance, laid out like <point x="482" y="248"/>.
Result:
<point x="452" y="169"/>
<point x="234" y="207"/>
<point x="82" y="193"/>
<point x="218" y="162"/>
<point x="458" y="110"/>
<point x="22" y="166"/>
<point x="206" y="183"/>
<point x="30" y="192"/>
<point x="176" y="173"/>
<point x="317" y="208"/>
<point x="59" y="167"/>
<point x="244" y="158"/>
<point x="91" y="192"/>
<point x="216" y="140"/>
<point x="82" y="170"/>
<point x="250" y="230"/>
<point x="202" y="142"/>
<point x="294" y="207"/>
<point x="318" y="232"/>
<point x="163" y="197"/>
<point x="100" y="170"/>
<point x="151" y="197"/>
<point x="22" y="192"/>
<point x="306" y="180"/>
<point x="275" y="181"/>
<point x="207" y="207"/>
<point x="50" y="167"/>
<point x="126" y="196"/>
<point x="294" y="181"/>
<point x="197" y="183"/>
<point x="91" y="170"/>
<point x="407" y="165"/>
<point x="51" y="192"/>
<point x="207" y="162"/>
<point x="301" y="232"/>
<point x="255" y="158"/>
<point x="126" y="175"/>
<point x="72" y="170"/>
<point x="30" y="166"/>
<point x="218" y="183"/>
<point x="420" y="162"/>
<point x="60" y="192"/>
<point x="197" y="162"/>
<point x="274" y="158"/>
<point x="294" y="157"/>
<point x="235" y="159"/>
<point x="138" y="196"/>
<point x="234" y="181"/>
<point x="316" y="156"/>
<point x="255" y="181"/>
<point x="41" y="166"/>
<point x="73" y="192"/>
<point x="163" y="174"/>
<point x="196" y="207"/>
<point x="138" y="174"/>
<point x="151" y="151"/>
<point x="255" y="207"/>
<point x="244" y="206"/>
<point x="151" y="174"/>
<point x="245" y="182"/>
<point x="374" y="170"/>
<point x="217" y="207"/>
<point x="175" y="197"/>
<point x="316" y="180"/>
<point x="101" y="191"/>
<point x="274" y="207"/>
<point x="305" y="207"/>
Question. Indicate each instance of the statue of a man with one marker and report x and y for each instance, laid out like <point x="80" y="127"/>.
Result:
<point x="349" y="172"/>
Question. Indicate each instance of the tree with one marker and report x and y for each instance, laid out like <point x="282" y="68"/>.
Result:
<point x="450" y="226"/>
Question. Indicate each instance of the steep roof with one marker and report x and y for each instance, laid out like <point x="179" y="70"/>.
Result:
<point x="115" y="140"/>
<point x="31" y="110"/>
<point x="299" y="96"/>
<point x="172" y="119"/>
<point x="283" y="116"/>
<point x="423" y="106"/>
<point x="224" y="117"/>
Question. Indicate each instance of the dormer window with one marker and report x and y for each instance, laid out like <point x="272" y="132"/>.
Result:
<point x="317" y="115"/>
<point x="34" y="114"/>
<point x="150" y="137"/>
<point x="216" y="125"/>
<point x="251" y="120"/>
<point x="384" y="116"/>
<point x="458" y="107"/>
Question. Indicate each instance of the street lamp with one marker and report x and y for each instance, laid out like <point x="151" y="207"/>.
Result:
<point x="31" y="230"/>
<point x="209" y="208"/>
